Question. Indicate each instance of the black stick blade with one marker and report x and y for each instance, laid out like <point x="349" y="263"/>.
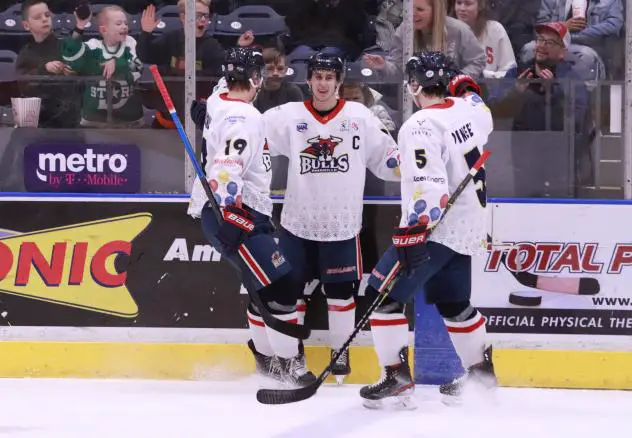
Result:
<point x="285" y="396"/>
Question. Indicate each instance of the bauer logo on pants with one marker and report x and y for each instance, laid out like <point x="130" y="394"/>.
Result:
<point x="73" y="265"/>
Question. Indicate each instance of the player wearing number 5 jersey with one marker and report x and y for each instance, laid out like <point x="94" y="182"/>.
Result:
<point x="438" y="146"/>
<point x="330" y="144"/>
<point x="238" y="169"/>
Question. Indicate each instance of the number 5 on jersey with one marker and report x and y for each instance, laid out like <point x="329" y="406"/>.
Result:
<point x="420" y="158"/>
<point x="479" y="179"/>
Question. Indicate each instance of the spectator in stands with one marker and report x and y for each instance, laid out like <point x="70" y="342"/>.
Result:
<point x="42" y="55"/>
<point x="433" y="30"/>
<point x="491" y="34"/>
<point x="339" y="24"/>
<point x="392" y="11"/>
<point x="526" y="101"/>
<point x="517" y="17"/>
<point x="114" y="57"/>
<point x="362" y="93"/>
<point x="276" y="89"/>
<point x="593" y="23"/>
<point x="167" y="52"/>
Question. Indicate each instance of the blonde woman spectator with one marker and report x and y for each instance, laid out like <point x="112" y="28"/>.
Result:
<point x="433" y="30"/>
<point x="361" y="93"/>
<point x="491" y="34"/>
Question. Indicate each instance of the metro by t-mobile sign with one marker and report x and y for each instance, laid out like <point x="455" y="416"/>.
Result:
<point x="93" y="168"/>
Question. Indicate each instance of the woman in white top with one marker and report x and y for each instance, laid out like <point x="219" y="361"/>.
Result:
<point x="491" y="34"/>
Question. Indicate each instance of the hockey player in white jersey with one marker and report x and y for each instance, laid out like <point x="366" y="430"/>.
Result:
<point x="329" y="143"/>
<point x="438" y="146"/>
<point x="237" y="165"/>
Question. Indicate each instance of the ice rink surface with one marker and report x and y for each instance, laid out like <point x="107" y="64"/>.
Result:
<point x="210" y="409"/>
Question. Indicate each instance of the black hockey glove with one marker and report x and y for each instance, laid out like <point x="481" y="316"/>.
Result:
<point x="198" y="114"/>
<point x="235" y="229"/>
<point x="411" y="249"/>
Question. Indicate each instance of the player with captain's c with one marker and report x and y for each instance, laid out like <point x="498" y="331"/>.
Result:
<point x="330" y="143"/>
<point x="438" y="146"/>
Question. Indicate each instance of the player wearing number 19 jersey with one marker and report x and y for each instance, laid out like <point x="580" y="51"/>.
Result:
<point x="438" y="146"/>
<point x="238" y="169"/>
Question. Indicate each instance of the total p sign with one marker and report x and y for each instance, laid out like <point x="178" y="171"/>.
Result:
<point x="73" y="265"/>
<point x="93" y="168"/>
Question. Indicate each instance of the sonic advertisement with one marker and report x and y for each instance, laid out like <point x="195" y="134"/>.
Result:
<point x="124" y="264"/>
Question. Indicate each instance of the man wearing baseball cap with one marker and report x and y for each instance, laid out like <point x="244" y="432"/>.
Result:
<point x="534" y="95"/>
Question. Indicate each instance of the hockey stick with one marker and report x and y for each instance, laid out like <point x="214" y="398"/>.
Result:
<point x="563" y="285"/>
<point x="283" y="396"/>
<point x="290" y="329"/>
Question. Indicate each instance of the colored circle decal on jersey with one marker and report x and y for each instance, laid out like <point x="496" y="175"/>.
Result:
<point x="444" y="200"/>
<point x="417" y="194"/>
<point x="232" y="187"/>
<point x="213" y="184"/>
<point x="391" y="163"/>
<point x="238" y="201"/>
<point x="424" y="219"/>
<point x="435" y="213"/>
<point x="420" y="206"/>
<point x="218" y="198"/>
<point x="412" y="219"/>
<point x="223" y="177"/>
<point x="229" y="200"/>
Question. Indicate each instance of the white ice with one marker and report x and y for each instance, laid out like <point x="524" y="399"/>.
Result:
<point x="138" y="409"/>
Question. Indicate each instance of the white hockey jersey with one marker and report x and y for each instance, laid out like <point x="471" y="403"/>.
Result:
<point x="328" y="157"/>
<point x="238" y="159"/>
<point x="438" y="146"/>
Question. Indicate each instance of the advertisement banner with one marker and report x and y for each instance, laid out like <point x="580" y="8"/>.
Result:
<point x="131" y="264"/>
<point x="91" y="168"/>
<point x="557" y="269"/>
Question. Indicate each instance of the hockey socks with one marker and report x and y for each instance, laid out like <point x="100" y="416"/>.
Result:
<point x="390" y="335"/>
<point x="468" y="337"/>
<point x="258" y="332"/>
<point x="341" y="320"/>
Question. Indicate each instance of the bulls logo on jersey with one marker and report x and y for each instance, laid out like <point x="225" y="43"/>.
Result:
<point x="319" y="156"/>
<point x="267" y="162"/>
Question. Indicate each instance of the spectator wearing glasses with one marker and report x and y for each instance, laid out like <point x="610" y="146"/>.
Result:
<point x="167" y="52"/>
<point x="526" y="101"/>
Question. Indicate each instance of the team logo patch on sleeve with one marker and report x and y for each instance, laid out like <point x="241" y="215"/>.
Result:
<point x="319" y="156"/>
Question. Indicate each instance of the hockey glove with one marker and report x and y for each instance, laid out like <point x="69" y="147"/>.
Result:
<point x="198" y="114"/>
<point x="461" y="84"/>
<point x="411" y="249"/>
<point x="235" y="228"/>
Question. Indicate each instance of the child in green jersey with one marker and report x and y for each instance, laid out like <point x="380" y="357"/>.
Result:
<point x="113" y="57"/>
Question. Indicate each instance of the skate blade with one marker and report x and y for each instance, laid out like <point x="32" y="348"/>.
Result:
<point x="399" y="403"/>
<point x="340" y="379"/>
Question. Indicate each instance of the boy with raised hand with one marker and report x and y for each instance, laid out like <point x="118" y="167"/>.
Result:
<point x="114" y="57"/>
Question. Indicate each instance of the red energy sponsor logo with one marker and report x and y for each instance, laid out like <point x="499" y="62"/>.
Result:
<point x="73" y="265"/>
<point x="555" y="257"/>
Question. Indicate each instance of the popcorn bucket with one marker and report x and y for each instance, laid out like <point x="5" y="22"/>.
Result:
<point x="579" y="8"/>
<point x="26" y="111"/>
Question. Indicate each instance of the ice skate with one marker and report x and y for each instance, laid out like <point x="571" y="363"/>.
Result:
<point x="396" y="385"/>
<point x="341" y="368"/>
<point x="265" y="365"/>
<point x="481" y="375"/>
<point x="294" y="372"/>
